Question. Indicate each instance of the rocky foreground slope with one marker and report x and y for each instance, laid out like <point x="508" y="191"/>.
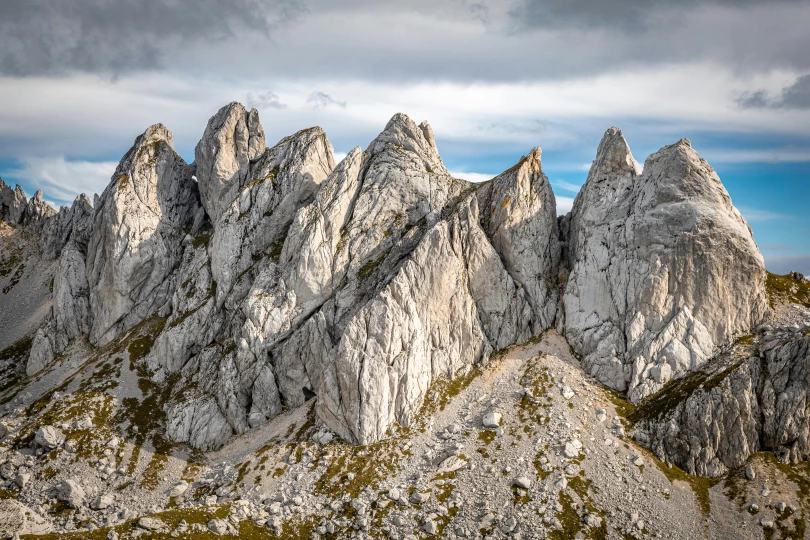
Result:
<point x="190" y="353"/>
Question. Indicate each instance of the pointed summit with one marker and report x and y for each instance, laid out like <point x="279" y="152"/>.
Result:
<point x="402" y="134"/>
<point x="232" y="140"/>
<point x="613" y="155"/>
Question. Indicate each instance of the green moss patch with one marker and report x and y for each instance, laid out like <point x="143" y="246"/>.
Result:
<point x="782" y="289"/>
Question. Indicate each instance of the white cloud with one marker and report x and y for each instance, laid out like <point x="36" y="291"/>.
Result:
<point x="755" y="215"/>
<point x="76" y="121"/>
<point x="566" y="186"/>
<point x="564" y="205"/>
<point x="62" y="180"/>
<point x="472" y="176"/>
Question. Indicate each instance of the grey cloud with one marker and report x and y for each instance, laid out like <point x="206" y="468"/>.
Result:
<point x="264" y="100"/>
<point x="625" y="15"/>
<point x="320" y="99"/>
<point x="459" y="40"/>
<point x="795" y="96"/>
<point x="114" y="36"/>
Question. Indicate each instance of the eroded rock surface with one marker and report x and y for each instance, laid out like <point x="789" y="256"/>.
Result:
<point x="716" y="418"/>
<point x="663" y="269"/>
<point x="137" y="231"/>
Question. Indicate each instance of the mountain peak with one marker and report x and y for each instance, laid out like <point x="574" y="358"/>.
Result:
<point x="233" y="138"/>
<point x="614" y="155"/>
<point x="402" y="133"/>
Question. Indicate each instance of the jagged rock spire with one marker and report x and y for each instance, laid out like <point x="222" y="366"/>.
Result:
<point x="663" y="268"/>
<point x="232" y="140"/>
<point x="136" y="235"/>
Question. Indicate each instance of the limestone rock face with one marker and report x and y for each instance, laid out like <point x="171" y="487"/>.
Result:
<point x="279" y="274"/>
<point x="663" y="268"/>
<point x="137" y="231"/>
<point x="744" y="405"/>
<point x="519" y="218"/>
<point x="68" y="224"/>
<point x="15" y="209"/>
<point x="12" y="204"/>
<point x="42" y="353"/>
<point x="71" y="298"/>
<point x="388" y="280"/>
<point x="232" y="140"/>
<point x="255" y="223"/>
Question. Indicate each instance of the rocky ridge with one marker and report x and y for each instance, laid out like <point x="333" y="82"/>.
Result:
<point x="203" y="304"/>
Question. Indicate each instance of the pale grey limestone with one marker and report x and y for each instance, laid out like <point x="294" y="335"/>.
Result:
<point x="137" y="228"/>
<point x="744" y="405"/>
<point x="663" y="269"/>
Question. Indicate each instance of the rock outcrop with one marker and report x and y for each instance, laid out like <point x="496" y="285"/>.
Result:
<point x="68" y="225"/>
<point x="233" y="139"/>
<point x="278" y="276"/>
<point x="715" y="419"/>
<point x="16" y="209"/>
<point x="138" y="226"/>
<point x="388" y="281"/>
<point x="663" y="269"/>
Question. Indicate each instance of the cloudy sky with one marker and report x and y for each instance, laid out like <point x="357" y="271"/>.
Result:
<point x="80" y="79"/>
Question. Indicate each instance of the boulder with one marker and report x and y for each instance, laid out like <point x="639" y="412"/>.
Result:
<point x="18" y="519"/>
<point x="71" y="492"/>
<point x="150" y="524"/>
<point x="492" y="420"/>
<point x="49" y="438"/>
<point x="102" y="502"/>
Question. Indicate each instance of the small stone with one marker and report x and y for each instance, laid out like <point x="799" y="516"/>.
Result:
<point x="49" y="438"/>
<point x="418" y="497"/>
<point x="22" y="479"/>
<point x="112" y="535"/>
<point x="765" y="491"/>
<point x="150" y="524"/>
<point x="562" y="483"/>
<point x="178" y="489"/>
<point x="451" y="464"/>
<point x="393" y="494"/>
<point x="509" y="525"/>
<point x="638" y="462"/>
<point x="431" y="527"/>
<point x="766" y="524"/>
<point x="593" y="521"/>
<point x="567" y="393"/>
<point x="750" y="473"/>
<point x="492" y="420"/>
<point x="570" y="451"/>
<point x="523" y="482"/>
<point x="218" y="526"/>
<point x="781" y="507"/>
<point x="102" y="502"/>
<point x="360" y="506"/>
